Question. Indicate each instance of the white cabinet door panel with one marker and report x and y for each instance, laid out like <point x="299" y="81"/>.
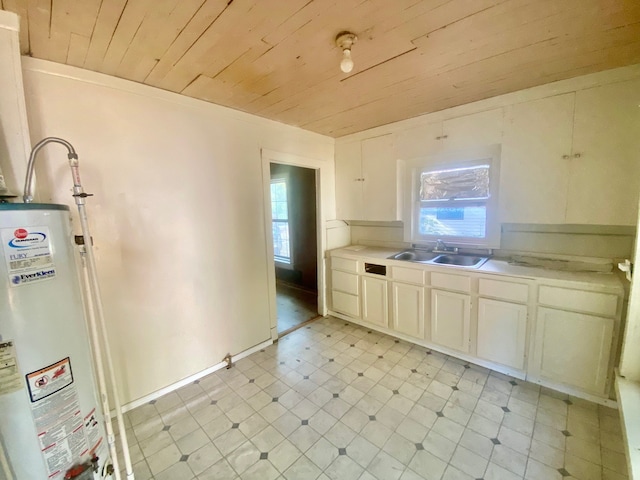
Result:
<point x="472" y="131"/>
<point x="419" y="142"/>
<point x="408" y="309"/>
<point x="574" y="348"/>
<point x="348" y="181"/>
<point x="534" y="174"/>
<point x="605" y="179"/>
<point x="374" y="301"/>
<point x="502" y="332"/>
<point x="450" y="319"/>
<point x="379" y="188"/>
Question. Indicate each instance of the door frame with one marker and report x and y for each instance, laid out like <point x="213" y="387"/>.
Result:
<point x="629" y="366"/>
<point x="321" y="170"/>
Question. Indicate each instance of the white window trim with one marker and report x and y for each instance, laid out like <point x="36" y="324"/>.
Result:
<point x="411" y="211"/>
<point x="283" y="178"/>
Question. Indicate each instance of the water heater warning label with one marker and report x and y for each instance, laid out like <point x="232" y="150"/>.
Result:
<point x="49" y="380"/>
<point x="58" y="419"/>
<point x="27" y="253"/>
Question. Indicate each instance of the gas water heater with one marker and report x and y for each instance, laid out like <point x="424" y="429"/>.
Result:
<point x="51" y="425"/>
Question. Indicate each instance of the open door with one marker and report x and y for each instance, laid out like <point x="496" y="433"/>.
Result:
<point x="280" y="252"/>
<point x="294" y="234"/>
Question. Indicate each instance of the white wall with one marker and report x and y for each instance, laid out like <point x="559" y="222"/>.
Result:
<point x="177" y="216"/>
<point x="14" y="133"/>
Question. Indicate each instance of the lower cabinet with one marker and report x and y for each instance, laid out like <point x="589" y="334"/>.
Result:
<point x="375" y="306"/>
<point x="408" y="309"/>
<point x="451" y="319"/>
<point x="574" y="348"/>
<point x="502" y="332"/>
<point x="345" y="293"/>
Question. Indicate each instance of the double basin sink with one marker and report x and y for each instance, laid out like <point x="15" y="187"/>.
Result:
<point x="453" y="260"/>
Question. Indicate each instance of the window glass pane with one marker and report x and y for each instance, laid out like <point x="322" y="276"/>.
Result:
<point x="279" y="208"/>
<point x="470" y="183"/>
<point x="281" y="241"/>
<point x="469" y="221"/>
<point x="279" y="211"/>
<point x="279" y="191"/>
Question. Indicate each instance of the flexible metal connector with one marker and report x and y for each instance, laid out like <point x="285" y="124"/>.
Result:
<point x="28" y="184"/>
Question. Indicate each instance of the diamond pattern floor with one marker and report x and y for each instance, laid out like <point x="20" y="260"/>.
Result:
<point x="336" y="401"/>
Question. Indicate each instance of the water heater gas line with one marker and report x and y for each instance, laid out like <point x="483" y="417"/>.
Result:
<point x="94" y="307"/>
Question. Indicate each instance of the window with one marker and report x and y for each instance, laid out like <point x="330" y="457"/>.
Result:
<point x="280" y="221"/>
<point x="455" y="201"/>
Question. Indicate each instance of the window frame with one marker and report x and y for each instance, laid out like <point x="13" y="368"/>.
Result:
<point x="462" y="159"/>
<point x="279" y="261"/>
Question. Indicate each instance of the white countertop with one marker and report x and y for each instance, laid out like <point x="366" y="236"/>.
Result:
<point x="495" y="266"/>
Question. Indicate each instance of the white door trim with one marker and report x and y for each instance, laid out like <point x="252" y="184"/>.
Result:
<point x="268" y="157"/>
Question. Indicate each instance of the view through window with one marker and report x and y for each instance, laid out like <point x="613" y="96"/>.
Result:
<point x="280" y="221"/>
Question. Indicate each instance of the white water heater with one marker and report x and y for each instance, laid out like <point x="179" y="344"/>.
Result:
<point x="50" y="420"/>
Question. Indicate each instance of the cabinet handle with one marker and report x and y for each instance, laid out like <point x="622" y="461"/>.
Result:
<point x="445" y="136"/>
<point x="442" y="136"/>
<point x="577" y="155"/>
<point x="566" y="157"/>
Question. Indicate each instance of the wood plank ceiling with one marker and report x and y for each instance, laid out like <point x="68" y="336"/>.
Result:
<point x="277" y="58"/>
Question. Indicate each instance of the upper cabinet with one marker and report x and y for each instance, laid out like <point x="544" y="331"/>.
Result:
<point x="366" y="180"/>
<point x="348" y="158"/>
<point x="534" y="170"/>
<point x="572" y="158"/>
<point x="604" y="167"/>
<point x="460" y="133"/>
<point x="473" y="131"/>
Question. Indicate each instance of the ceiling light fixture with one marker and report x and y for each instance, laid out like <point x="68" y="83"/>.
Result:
<point x="345" y="40"/>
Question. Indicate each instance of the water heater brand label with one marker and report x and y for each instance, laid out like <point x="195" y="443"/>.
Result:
<point x="27" y="253"/>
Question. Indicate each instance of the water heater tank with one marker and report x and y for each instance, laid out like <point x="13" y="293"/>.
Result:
<point x="50" y="421"/>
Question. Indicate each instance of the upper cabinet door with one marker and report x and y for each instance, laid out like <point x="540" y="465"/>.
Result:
<point x="379" y="171"/>
<point x="472" y="131"/>
<point x="605" y="171"/>
<point x="534" y="168"/>
<point x="348" y="181"/>
<point x="418" y="142"/>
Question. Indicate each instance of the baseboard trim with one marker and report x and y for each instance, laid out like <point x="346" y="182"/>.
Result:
<point x="186" y="381"/>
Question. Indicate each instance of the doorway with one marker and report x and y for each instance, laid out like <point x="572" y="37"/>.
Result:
<point x="294" y="235"/>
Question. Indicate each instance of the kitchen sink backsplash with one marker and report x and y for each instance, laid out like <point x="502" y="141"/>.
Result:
<point x="594" y="241"/>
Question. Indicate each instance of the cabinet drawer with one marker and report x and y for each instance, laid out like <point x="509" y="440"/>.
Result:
<point x="590" y="302"/>
<point x="408" y="275"/>
<point x="345" y="264"/>
<point x="345" y="303"/>
<point x="344" y="282"/>
<point x="451" y="282"/>
<point x="516" y="292"/>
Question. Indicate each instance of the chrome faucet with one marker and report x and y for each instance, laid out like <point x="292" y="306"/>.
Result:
<point x="441" y="247"/>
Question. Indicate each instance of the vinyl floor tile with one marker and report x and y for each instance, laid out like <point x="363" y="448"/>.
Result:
<point x="333" y="400"/>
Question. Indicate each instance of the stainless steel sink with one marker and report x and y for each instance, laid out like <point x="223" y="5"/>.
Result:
<point x="414" y="255"/>
<point x="425" y="256"/>
<point x="460" y="260"/>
